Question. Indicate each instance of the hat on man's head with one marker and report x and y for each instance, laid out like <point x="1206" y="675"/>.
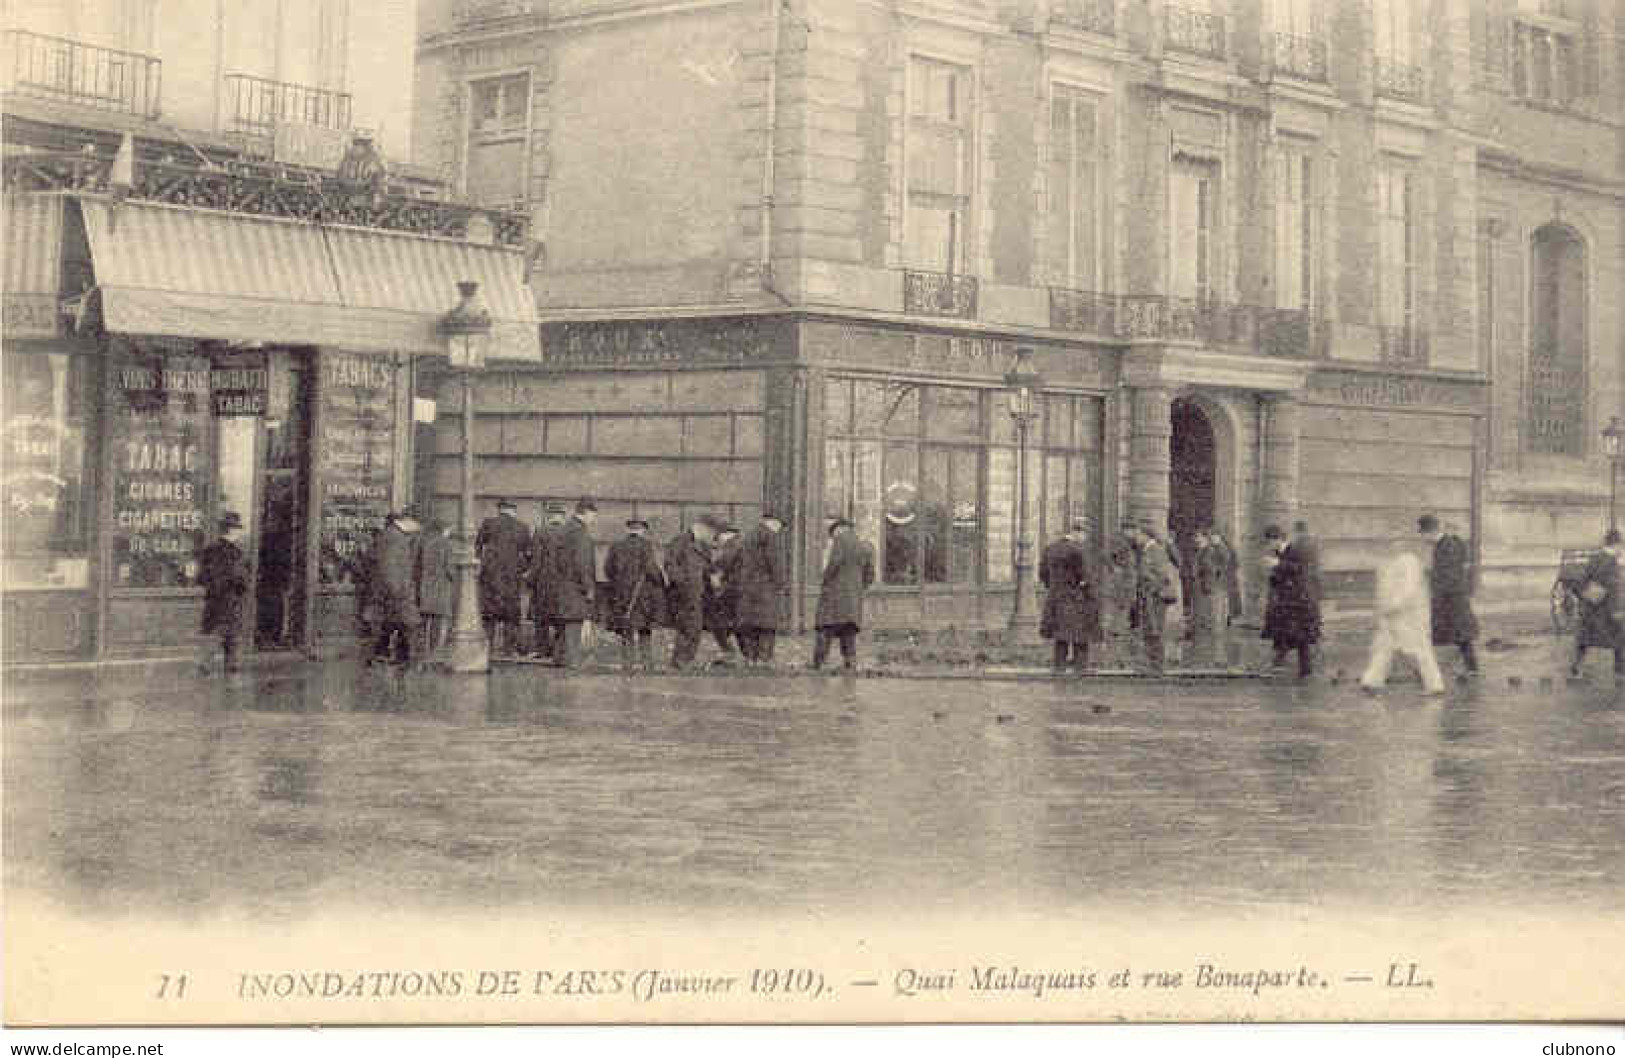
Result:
<point x="1273" y="532"/>
<point x="506" y="504"/>
<point x="230" y="520"/>
<point x="585" y="505"/>
<point x="1428" y="523"/>
<point x="637" y="522"/>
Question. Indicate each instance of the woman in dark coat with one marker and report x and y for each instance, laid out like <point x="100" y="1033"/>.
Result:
<point x="848" y="572"/>
<point x="1293" y="621"/>
<point x="436" y="583"/>
<point x="1072" y="605"/>
<point x="223" y="573"/>
<point x="636" y="591"/>
<point x="761" y="579"/>
<point x="1601" y="608"/>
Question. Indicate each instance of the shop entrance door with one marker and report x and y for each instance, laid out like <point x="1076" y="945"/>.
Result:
<point x="1192" y="472"/>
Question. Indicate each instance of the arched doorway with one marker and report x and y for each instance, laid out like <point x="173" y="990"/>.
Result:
<point x="1192" y="480"/>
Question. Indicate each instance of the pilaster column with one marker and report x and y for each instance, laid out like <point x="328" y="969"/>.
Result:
<point x="1150" y="436"/>
<point x="1278" y="503"/>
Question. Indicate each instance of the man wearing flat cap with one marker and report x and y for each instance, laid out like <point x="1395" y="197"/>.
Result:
<point x="572" y="579"/>
<point x="1071" y="620"/>
<point x="636" y="590"/>
<point x="848" y="571"/>
<point x="503" y="545"/>
<point x="761" y="573"/>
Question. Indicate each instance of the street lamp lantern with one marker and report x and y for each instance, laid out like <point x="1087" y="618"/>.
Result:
<point x="1025" y="383"/>
<point x="1610" y="446"/>
<point x="467" y="331"/>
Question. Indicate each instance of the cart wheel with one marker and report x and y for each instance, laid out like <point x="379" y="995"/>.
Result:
<point x="1565" y="609"/>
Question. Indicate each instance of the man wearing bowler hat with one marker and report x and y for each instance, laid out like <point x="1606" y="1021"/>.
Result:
<point x="548" y="537"/>
<point x="761" y="576"/>
<point x="688" y="568"/>
<point x="636" y="588"/>
<point x="503" y="544"/>
<point x="223" y="573"/>
<point x="848" y="572"/>
<point x="572" y="578"/>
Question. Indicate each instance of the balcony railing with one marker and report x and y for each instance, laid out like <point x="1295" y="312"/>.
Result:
<point x="1398" y="80"/>
<point x="1290" y="333"/>
<point x="1196" y="32"/>
<point x="939" y="294"/>
<point x="259" y="105"/>
<point x="1303" y="57"/>
<point x="1403" y="346"/>
<point x="104" y="78"/>
<point x="1091" y="16"/>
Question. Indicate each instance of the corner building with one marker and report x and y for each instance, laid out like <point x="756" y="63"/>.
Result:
<point x="1346" y="261"/>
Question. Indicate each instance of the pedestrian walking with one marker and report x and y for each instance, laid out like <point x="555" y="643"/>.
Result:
<point x="572" y="583"/>
<point x="721" y="602"/>
<point x="395" y="568"/>
<point x="1403" y="620"/>
<point x="1268" y="560"/>
<point x="223" y="574"/>
<point x="688" y="568"/>
<point x="549" y="536"/>
<point x="849" y="569"/>
<point x="636" y="590"/>
<point x="1156" y="592"/>
<point x="1294" y="622"/>
<point x="1450" y="581"/>
<point x="1071" y="619"/>
<point x="503" y="545"/>
<point x="1118" y="601"/>
<point x="761" y="576"/>
<point x="1213" y="569"/>
<point x="437" y="582"/>
<point x="1602" y="609"/>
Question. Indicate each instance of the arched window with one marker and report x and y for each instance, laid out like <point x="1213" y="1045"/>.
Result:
<point x="1557" y="343"/>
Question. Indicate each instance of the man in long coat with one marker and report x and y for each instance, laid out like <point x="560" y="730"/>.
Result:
<point x="848" y="571"/>
<point x="1294" y="621"/>
<point x="539" y="579"/>
<point x="395" y="568"/>
<point x="636" y="590"/>
<point x="223" y="574"/>
<point x="721" y="603"/>
<point x="437" y="584"/>
<point x="688" y="567"/>
<point x="1211" y="576"/>
<point x="1071" y="617"/>
<point x="1451" y="584"/>
<point x="1602" y="608"/>
<point x="1157" y="589"/>
<point x="1402" y="620"/>
<point x="572" y="583"/>
<point x="761" y="577"/>
<point x="503" y="546"/>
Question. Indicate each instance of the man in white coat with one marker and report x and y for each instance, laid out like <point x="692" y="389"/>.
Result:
<point x="1404" y="621"/>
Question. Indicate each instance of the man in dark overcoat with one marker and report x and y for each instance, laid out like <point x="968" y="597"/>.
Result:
<point x="688" y="567"/>
<point x="1602" y="608"/>
<point x="223" y="574"/>
<point x="503" y="545"/>
<point x="437" y="584"/>
<point x="636" y="588"/>
<point x="572" y="582"/>
<point x="1071" y="618"/>
<point x="722" y="592"/>
<point x="848" y="572"/>
<point x="1294" y="622"/>
<point x="761" y="576"/>
<point x="1156" y="589"/>
<point x="1450" y="584"/>
<point x="395" y="568"/>
<point x="539" y="578"/>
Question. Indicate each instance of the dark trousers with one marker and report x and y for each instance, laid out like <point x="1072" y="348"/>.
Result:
<point x="685" y="643"/>
<point x="1469" y="656"/>
<point x="1306" y="657"/>
<point x="228" y="648"/>
<point x="1077" y="653"/>
<point x="757" y="644"/>
<point x="1580" y="657"/>
<point x="724" y="638"/>
<point x="502" y="635"/>
<point x="567" y="643"/>
<point x="636" y="647"/>
<point x="543" y="645"/>
<point x="848" y="636"/>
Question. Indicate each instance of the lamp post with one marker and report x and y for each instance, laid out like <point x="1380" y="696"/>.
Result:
<point x="467" y="330"/>
<point x="1610" y="446"/>
<point x="1024" y="382"/>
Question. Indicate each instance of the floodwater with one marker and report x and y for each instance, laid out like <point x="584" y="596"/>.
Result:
<point x="285" y="792"/>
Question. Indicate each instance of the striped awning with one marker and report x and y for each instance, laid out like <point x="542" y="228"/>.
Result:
<point x="206" y="274"/>
<point x="31" y="268"/>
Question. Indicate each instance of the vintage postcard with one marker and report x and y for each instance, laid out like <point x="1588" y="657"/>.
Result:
<point x="537" y="511"/>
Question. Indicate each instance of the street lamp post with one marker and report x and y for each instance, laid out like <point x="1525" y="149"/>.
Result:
<point x="1024" y="382"/>
<point x="1610" y="445"/>
<point x="467" y="330"/>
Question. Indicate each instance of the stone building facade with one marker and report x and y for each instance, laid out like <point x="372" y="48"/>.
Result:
<point x="1343" y="260"/>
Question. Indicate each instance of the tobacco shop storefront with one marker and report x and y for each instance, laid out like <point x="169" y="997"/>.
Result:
<point x="183" y="363"/>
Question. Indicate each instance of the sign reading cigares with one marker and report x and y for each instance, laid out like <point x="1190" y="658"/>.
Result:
<point x="357" y="454"/>
<point x="160" y="426"/>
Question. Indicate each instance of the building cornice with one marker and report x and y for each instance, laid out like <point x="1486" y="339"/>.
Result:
<point x="1499" y="160"/>
<point x="1173" y="365"/>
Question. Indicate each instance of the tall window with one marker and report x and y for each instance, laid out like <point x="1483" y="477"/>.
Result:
<point x="1193" y="212"/>
<point x="939" y="157"/>
<point x="1396" y="246"/>
<point x="1294" y="229"/>
<point x="1074" y="197"/>
<point x="498" y="128"/>
<point x="1545" y="65"/>
<point x="1557" y="343"/>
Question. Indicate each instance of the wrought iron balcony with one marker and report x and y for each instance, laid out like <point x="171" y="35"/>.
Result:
<point x="104" y="78"/>
<point x="1083" y="311"/>
<point x="259" y="105"/>
<point x="1091" y="16"/>
<point x="1398" y="80"/>
<point x="1556" y="392"/>
<point x="1196" y="32"/>
<point x="939" y="294"/>
<point x="1290" y="333"/>
<point x="1403" y="346"/>
<point x="1296" y="56"/>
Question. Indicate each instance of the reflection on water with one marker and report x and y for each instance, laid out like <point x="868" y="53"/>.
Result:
<point x="291" y="791"/>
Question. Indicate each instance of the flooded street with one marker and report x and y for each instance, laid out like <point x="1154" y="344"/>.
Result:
<point x="289" y="791"/>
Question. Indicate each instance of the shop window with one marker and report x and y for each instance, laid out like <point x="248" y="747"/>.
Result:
<point x="939" y="159"/>
<point x="1557" y="344"/>
<point x="498" y="132"/>
<point x="47" y="513"/>
<point x="357" y="459"/>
